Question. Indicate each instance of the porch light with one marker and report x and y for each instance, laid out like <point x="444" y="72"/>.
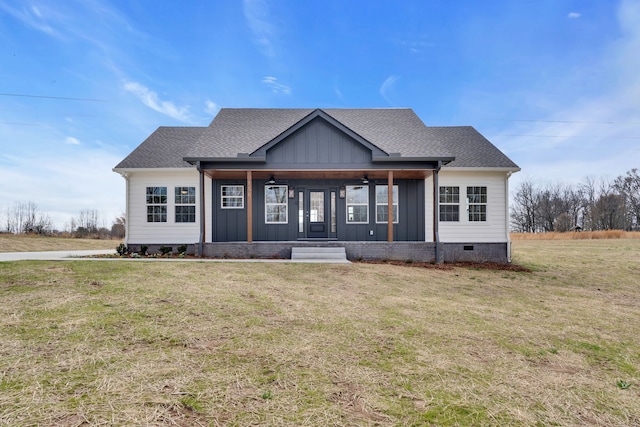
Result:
<point x="272" y="180"/>
<point x="365" y="179"/>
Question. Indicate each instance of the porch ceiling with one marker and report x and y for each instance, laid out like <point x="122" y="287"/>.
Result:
<point x="319" y="174"/>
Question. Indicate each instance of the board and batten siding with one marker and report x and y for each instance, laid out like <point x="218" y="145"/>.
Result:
<point x="464" y="231"/>
<point x="170" y="232"/>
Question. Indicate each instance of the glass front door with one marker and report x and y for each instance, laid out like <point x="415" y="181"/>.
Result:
<point x="317" y="215"/>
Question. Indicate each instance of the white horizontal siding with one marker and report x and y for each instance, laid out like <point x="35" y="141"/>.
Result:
<point x="465" y="231"/>
<point x="428" y="211"/>
<point x="170" y="232"/>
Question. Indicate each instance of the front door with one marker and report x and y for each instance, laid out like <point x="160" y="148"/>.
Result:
<point x="317" y="214"/>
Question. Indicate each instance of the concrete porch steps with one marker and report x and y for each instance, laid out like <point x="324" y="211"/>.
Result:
<point x="300" y="253"/>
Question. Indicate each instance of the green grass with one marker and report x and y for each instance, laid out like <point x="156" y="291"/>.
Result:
<point x="121" y="343"/>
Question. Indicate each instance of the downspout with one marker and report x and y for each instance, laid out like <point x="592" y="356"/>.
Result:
<point x="202" y="210"/>
<point x="436" y="209"/>
<point x="125" y="175"/>
<point x="507" y="219"/>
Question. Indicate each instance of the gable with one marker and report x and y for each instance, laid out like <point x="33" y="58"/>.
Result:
<point x="317" y="143"/>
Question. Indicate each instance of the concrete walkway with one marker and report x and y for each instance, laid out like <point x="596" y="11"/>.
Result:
<point x="86" y="256"/>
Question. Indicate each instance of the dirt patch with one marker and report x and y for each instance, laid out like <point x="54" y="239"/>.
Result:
<point x="454" y="265"/>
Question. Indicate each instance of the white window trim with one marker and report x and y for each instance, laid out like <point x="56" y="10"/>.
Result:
<point x="448" y="203"/>
<point x="395" y="203"/>
<point x="177" y="204"/>
<point x="485" y="204"/>
<point x="165" y="204"/>
<point x="286" y="205"/>
<point x="347" y="204"/>
<point x="222" y="197"/>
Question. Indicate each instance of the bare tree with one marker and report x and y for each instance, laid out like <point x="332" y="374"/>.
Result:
<point x="86" y="223"/>
<point x="525" y="208"/>
<point x="26" y="217"/>
<point x="118" y="227"/>
<point x="629" y="187"/>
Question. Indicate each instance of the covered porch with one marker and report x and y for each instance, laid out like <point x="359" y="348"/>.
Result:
<point x="349" y="208"/>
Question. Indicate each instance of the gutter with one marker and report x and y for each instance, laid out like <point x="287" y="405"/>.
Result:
<point x="436" y="210"/>
<point x="125" y="175"/>
<point x="507" y="220"/>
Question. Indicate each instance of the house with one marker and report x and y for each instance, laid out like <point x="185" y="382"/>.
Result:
<point x="257" y="182"/>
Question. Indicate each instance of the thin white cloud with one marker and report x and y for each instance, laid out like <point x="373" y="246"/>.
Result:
<point x="276" y="87"/>
<point x="71" y="140"/>
<point x="33" y="17"/>
<point x="387" y="88"/>
<point x="258" y="18"/>
<point x="211" y="107"/>
<point x="151" y="100"/>
<point x="573" y="15"/>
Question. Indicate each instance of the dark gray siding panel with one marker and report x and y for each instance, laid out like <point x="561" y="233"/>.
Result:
<point x="410" y="226"/>
<point x="316" y="145"/>
<point x="229" y="225"/>
<point x="272" y="232"/>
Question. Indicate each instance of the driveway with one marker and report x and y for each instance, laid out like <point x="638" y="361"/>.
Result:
<point x="75" y="255"/>
<point x="51" y="255"/>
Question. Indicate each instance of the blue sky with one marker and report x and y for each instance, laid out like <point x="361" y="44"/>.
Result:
<point x="553" y="83"/>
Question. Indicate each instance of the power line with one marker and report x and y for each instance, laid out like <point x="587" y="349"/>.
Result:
<point x="566" y="121"/>
<point x="53" y="97"/>
<point x="574" y="136"/>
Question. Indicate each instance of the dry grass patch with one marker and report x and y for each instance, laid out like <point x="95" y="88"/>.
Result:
<point x="578" y="235"/>
<point x="95" y="343"/>
<point x="29" y="243"/>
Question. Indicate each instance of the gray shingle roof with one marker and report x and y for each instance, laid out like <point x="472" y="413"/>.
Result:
<point x="245" y="130"/>
<point x="164" y="148"/>
<point x="470" y="148"/>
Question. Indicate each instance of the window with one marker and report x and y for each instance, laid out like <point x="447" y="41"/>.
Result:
<point x="232" y="196"/>
<point x="382" y="208"/>
<point x="477" y="200"/>
<point x="449" y="204"/>
<point x="185" y="198"/>
<point x="357" y="204"/>
<point x="156" y="204"/>
<point x="275" y="204"/>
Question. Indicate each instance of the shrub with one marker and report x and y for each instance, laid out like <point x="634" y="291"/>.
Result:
<point x="182" y="249"/>
<point x="121" y="249"/>
<point x="144" y="249"/>
<point x="165" y="250"/>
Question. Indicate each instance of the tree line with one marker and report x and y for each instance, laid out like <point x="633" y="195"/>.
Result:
<point x="28" y="218"/>
<point x="595" y="204"/>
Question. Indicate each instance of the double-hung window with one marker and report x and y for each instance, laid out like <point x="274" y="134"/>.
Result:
<point x="185" y="199"/>
<point x="275" y="204"/>
<point x="156" y="204"/>
<point x="232" y="196"/>
<point x="477" y="203"/>
<point x="382" y="207"/>
<point x="449" y="204"/>
<point x="357" y="204"/>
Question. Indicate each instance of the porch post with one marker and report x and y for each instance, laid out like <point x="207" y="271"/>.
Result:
<point x="201" y="237"/>
<point x="436" y="211"/>
<point x="249" y="207"/>
<point x="390" y="207"/>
